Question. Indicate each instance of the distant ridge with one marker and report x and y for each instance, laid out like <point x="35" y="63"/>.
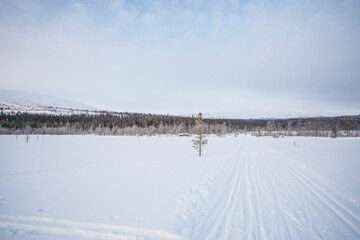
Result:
<point x="262" y="114"/>
<point x="40" y="100"/>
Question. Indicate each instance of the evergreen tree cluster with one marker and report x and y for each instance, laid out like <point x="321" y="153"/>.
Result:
<point x="110" y="123"/>
<point x="101" y="124"/>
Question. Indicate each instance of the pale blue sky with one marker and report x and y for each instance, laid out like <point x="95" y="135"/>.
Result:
<point x="254" y="58"/>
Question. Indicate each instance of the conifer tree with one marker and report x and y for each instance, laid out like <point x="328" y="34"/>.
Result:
<point x="333" y="131"/>
<point x="200" y="138"/>
<point x="347" y="126"/>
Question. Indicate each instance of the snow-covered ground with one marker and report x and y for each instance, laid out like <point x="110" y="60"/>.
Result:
<point x="40" y="100"/>
<point x="15" y="108"/>
<point x="93" y="187"/>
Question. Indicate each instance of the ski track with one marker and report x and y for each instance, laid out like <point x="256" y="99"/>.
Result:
<point x="266" y="196"/>
<point x="270" y="196"/>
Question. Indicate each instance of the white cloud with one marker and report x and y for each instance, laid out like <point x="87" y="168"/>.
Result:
<point x="140" y="56"/>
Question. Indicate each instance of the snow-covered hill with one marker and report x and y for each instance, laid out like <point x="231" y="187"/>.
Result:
<point x="16" y="108"/>
<point x="39" y="100"/>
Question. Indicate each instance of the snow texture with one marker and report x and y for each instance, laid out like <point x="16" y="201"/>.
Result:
<point x="92" y="187"/>
<point x="39" y="100"/>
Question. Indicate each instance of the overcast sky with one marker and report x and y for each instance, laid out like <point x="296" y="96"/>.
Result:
<point x="253" y="58"/>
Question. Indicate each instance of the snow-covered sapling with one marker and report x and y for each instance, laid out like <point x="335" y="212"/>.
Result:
<point x="200" y="138"/>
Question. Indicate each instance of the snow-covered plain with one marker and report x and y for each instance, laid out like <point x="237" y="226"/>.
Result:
<point x="96" y="187"/>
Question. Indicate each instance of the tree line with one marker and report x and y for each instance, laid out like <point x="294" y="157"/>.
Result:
<point x="152" y="124"/>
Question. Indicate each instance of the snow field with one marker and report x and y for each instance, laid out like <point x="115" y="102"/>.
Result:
<point x="126" y="181"/>
<point x="92" y="187"/>
<point x="271" y="196"/>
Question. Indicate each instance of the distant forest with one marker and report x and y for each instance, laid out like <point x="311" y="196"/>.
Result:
<point x="151" y="124"/>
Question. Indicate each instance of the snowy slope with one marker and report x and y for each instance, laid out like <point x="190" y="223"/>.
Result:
<point x="15" y="108"/>
<point x="39" y="100"/>
<point x="92" y="187"/>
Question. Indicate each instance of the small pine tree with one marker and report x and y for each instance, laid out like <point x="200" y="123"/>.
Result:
<point x="333" y="131"/>
<point x="200" y="138"/>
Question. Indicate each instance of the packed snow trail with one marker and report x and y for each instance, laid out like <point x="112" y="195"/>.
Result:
<point x="270" y="196"/>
